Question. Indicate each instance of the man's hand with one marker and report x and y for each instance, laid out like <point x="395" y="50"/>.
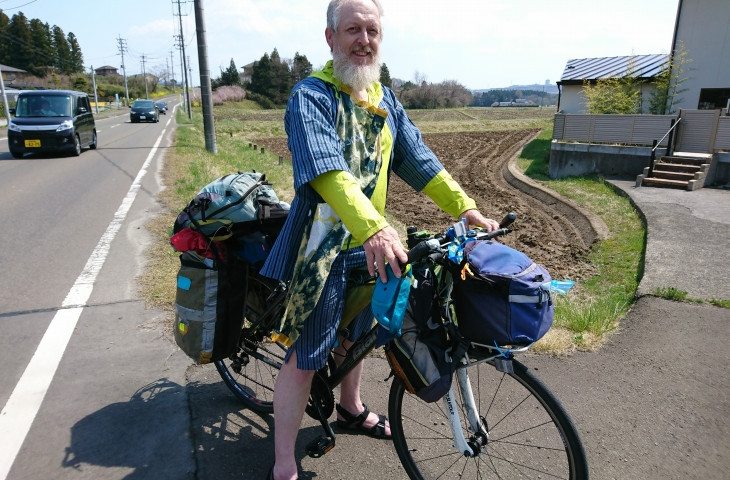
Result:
<point x="384" y="246"/>
<point x="476" y="219"/>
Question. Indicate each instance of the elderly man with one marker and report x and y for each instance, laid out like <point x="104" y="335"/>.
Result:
<point x="347" y="133"/>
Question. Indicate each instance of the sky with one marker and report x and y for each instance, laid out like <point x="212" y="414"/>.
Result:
<point x="480" y="44"/>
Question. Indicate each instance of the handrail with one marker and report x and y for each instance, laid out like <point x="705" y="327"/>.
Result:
<point x="655" y="144"/>
<point x="673" y="124"/>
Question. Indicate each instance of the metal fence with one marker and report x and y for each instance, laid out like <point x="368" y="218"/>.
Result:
<point x="722" y="140"/>
<point x="611" y="129"/>
<point x="642" y="130"/>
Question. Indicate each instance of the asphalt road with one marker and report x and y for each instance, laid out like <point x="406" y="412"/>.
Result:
<point x="81" y="355"/>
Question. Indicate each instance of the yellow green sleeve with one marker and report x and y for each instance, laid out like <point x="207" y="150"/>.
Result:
<point x="448" y="195"/>
<point x="342" y="192"/>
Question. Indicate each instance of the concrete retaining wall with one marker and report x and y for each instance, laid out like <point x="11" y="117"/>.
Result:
<point x="722" y="169"/>
<point x="577" y="159"/>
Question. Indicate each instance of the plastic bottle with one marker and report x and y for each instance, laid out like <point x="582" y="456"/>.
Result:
<point x="561" y="286"/>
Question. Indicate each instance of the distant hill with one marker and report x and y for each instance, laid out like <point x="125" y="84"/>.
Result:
<point x="549" y="88"/>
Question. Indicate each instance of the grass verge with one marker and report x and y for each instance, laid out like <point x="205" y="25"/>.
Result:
<point x="671" y="293"/>
<point x="585" y="316"/>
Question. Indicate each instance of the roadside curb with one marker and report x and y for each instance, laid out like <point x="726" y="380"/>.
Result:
<point x="577" y="214"/>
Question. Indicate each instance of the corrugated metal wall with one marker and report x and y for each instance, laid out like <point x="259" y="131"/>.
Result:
<point x="612" y="129"/>
<point x="697" y="131"/>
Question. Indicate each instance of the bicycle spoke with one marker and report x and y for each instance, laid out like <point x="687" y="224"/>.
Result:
<point x="526" y="438"/>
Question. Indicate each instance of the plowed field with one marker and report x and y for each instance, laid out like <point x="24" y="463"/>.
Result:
<point x="544" y="230"/>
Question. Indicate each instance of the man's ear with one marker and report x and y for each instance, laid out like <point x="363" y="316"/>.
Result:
<point x="328" y="36"/>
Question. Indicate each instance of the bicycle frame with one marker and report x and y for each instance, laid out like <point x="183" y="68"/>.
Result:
<point x="477" y="424"/>
<point x="356" y="353"/>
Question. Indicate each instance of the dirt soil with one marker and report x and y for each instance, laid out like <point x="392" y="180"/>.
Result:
<point x="544" y="230"/>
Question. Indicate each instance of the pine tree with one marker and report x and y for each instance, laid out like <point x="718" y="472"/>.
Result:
<point x="230" y="76"/>
<point x="76" y="58"/>
<point x="261" y="75"/>
<point x="301" y="68"/>
<point x="41" y="37"/>
<point x="62" y="62"/>
<point x="20" y="48"/>
<point x="385" y="76"/>
<point x="281" y="79"/>
<point x="4" y="36"/>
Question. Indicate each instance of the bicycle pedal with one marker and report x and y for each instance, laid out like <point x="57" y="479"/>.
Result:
<point x="319" y="446"/>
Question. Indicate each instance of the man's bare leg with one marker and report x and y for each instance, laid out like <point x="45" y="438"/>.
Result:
<point x="350" y="389"/>
<point x="291" y="394"/>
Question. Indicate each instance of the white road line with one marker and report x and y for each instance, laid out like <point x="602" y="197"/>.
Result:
<point x="19" y="412"/>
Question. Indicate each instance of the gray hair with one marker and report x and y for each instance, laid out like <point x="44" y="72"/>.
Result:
<point x="333" y="13"/>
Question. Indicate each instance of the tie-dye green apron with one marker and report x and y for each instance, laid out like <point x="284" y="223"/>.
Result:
<point x="359" y="126"/>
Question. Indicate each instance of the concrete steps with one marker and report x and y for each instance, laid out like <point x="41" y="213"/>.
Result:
<point x="686" y="171"/>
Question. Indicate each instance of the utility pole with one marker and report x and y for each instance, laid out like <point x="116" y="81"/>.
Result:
<point x="178" y="38"/>
<point x="206" y="97"/>
<point x="185" y="69"/>
<point x="122" y="48"/>
<point x="93" y="82"/>
<point x="172" y="70"/>
<point x="144" y="75"/>
<point x="190" y="74"/>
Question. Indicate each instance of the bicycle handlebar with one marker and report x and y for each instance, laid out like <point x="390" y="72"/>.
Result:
<point x="436" y="243"/>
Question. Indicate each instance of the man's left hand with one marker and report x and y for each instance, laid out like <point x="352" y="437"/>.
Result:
<point x="476" y="219"/>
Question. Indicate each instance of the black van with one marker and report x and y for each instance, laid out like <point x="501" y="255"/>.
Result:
<point x="51" y="121"/>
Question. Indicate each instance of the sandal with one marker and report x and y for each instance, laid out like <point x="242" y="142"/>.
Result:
<point x="355" y="422"/>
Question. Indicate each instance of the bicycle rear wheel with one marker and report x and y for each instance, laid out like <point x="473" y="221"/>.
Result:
<point x="529" y="433"/>
<point x="251" y="372"/>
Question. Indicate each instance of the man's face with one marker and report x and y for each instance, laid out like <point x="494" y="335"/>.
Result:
<point x="358" y="33"/>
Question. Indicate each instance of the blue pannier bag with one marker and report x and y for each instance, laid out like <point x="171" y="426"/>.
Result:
<point x="501" y="296"/>
<point x="239" y="217"/>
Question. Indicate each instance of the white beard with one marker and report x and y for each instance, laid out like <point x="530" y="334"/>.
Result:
<point x="357" y="77"/>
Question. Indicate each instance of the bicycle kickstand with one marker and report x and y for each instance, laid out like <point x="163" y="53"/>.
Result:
<point x="324" y="443"/>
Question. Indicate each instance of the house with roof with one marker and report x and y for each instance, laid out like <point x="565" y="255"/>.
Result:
<point x="246" y="72"/>
<point x="695" y="132"/>
<point x="106" y="70"/>
<point x="580" y="71"/>
<point x="13" y="76"/>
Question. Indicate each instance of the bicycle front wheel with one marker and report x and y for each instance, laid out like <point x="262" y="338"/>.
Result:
<point x="528" y="433"/>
